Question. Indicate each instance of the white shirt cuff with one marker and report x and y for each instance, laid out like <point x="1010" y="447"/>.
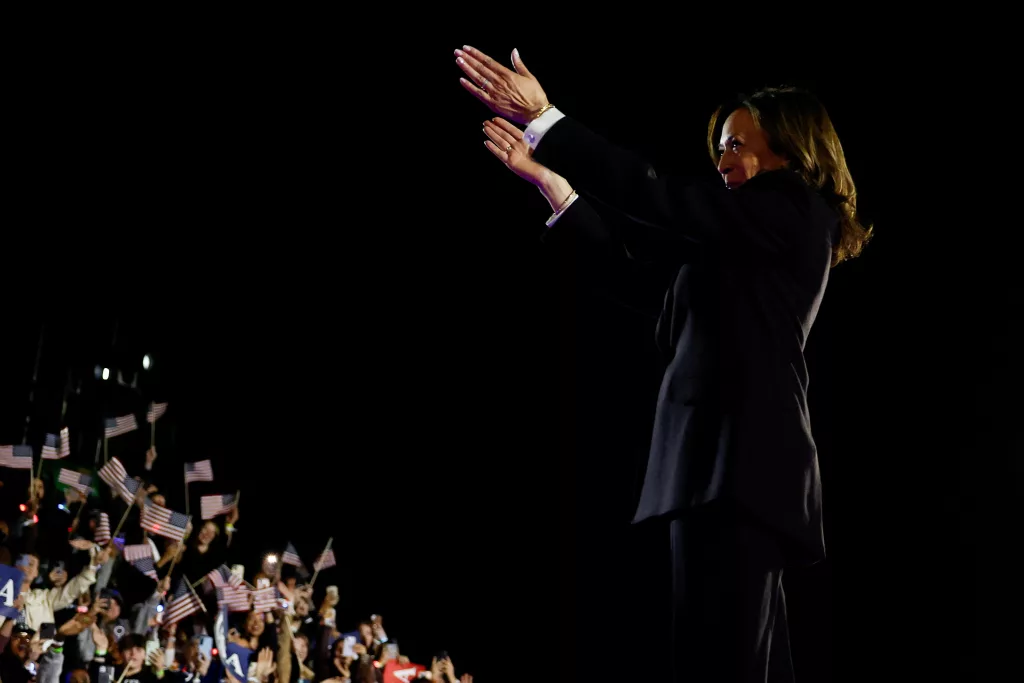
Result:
<point x="555" y="216"/>
<point x="541" y="125"/>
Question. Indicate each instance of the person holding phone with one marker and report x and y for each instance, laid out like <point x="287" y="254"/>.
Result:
<point x="40" y="603"/>
<point x="193" y="657"/>
<point x="18" y="663"/>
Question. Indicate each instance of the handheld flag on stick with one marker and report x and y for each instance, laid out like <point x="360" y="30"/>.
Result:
<point x="141" y="557"/>
<point x="157" y="519"/>
<point x="115" y="475"/>
<point x="233" y="599"/>
<point x="116" y="426"/>
<point x="265" y="599"/>
<point x="211" y="506"/>
<point x="17" y="457"/>
<point x="155" y="412"/>
<point x="184" y="603"/>
<point x="102" y="533"/>
<point x="223" y="576"/>
<point x="198" y="471"/>
<point x="76" y="480"/>
<point x="291" y="556"/>
<point x="325" y="560"/>
<point x="56" y="447"/>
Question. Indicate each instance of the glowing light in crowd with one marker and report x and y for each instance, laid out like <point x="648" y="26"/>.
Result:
<point x="146" y="362"/>
<point x="106" y="373"/>
<point x="271" y="559"/>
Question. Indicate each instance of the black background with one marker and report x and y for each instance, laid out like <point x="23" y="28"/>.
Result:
<point x="351" y="313"/>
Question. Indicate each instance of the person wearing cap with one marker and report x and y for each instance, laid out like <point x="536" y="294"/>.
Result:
<point x="40" y="603"/>
<point x="18" y="661"/>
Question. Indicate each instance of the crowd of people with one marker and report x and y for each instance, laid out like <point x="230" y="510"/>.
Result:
<point x="115" y="588"/>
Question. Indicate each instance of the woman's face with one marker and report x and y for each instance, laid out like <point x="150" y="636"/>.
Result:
<point x="254" y="624"/>
<point x="744" y="150"/>
<point x="208" y="533"/>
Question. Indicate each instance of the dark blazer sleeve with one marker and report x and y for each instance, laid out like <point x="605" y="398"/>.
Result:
<point x="763" y="215"/>
<point x="593" y="255"/>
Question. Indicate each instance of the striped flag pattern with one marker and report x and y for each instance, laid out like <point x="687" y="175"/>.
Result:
<point x="65" y="443"/>
<point x="325" y="560"/>
<point x="56" y="447"/>
<point x="182" y="604"/>
<point x="211" y="506"/>
<point x="222" y="576"/>
<point x="116" y="426"/>
<point x="18" y="457"/>
<point x="141" y="557"/>
<point x="76" y="480"/>
<point x="234" y="599"/>
<point x="102" y="533"/>
<point x="291" y="556"/>
<point x="157" y="519"/>
<point x="155" y="412"/>
<point x="115" y="475"/>
<point x="198" y="471"/>
<point x="264" y="599"/>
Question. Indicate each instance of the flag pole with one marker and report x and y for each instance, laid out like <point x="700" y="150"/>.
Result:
<point x="81" y="506"/>
<point x="39" y="474"/>
<point x="178" y="552"/>
<point x="198" y="599"/>
<point x="185" y="466"/>
<point x="319" y="561"/>
<point x="121" y="523"/>
<point x="105" y="446"/>
<point x="152" y="429"/>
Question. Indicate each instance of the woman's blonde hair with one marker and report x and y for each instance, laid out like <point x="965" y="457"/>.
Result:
<point x="799" y="129"/>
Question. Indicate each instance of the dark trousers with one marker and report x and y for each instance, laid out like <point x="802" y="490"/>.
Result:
<point x="729" y="610"/>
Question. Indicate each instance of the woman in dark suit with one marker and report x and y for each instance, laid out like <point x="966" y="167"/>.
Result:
<point x="733" y="467"/>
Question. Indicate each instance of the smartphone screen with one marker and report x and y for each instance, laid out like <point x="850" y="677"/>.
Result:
<point x="347" y="650"/>
<point x="151" y="647"/>
<point x="206" y="645"/>
<point x="47" y="631"/>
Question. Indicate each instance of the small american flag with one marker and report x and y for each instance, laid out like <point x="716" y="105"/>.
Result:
<point x="56" y="447"/>
<point x="211" y="506"/>
<point x="325" y="560"/>
<point x="76" y="480"/>
<point x="182" y="604"/>
<point x="235" y="599"/>
<point x="116" y="426"/>
<point x="115" y="475"/>
<point x="222" y="576"/>
<point x="291" y="556"/>
<point x="141" y="557"/>
<point x="264" y="599"/>
<point x="102" y="533"/>
<point x="157" y="519"/>
<point x="198" y="471"/>
<point x="18" y="457"/>
<point x="155" y="412"/>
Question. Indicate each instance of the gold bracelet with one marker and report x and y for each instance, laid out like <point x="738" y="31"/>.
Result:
<point x="542" y="110"/>
<point x="562" y="206"/>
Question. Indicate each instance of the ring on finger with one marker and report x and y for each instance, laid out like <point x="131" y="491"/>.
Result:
<point x="486" y="83"/>
<point x="508" y="149"/>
